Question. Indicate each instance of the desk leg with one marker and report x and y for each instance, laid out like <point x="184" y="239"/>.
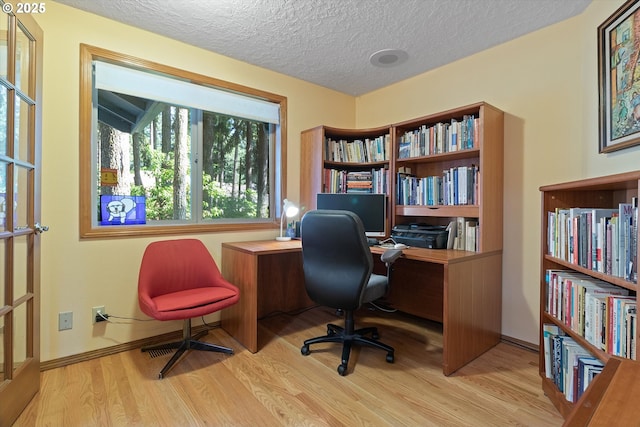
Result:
<point x="241" y="319"/>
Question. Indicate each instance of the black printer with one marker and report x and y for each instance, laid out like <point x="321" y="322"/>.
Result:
<point x="421" y="235"/>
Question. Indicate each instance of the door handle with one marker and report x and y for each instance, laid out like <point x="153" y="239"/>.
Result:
<point x="40" y="228"/>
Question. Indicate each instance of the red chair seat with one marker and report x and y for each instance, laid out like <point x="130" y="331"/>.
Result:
<point x="192" y="298"/>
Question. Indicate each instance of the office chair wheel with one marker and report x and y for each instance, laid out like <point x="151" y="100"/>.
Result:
<point x="305" y="350"/>
<point x="390" y="358"/>
<point x="342" y="369"/>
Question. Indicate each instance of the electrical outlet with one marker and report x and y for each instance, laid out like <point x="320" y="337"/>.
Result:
<point x="95" y="311"/>
<point x="65" y="320"/>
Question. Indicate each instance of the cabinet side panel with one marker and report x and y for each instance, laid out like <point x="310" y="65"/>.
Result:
<point x="473" y="309"/>
<point x="240" y="320"/>
<point x="311" y="158"/>
<point x="491" y="188"/>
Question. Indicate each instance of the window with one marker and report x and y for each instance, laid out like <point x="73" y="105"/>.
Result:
<point x="165" y="151"/>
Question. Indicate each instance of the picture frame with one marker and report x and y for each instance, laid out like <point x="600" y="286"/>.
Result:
<point x="619" y="84"/>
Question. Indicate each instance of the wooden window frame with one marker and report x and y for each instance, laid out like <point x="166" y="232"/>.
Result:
<point x="90" y="230"/>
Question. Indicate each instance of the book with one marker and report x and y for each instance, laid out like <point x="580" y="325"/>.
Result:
<point x="572" y="351"/>
<point x="461" y="232"/>
<point x="598" y="224"/>
<point x="549" y="330"/>
<point x="574" y="228"/>
<point x="625" y="265"/>
<point x="470" y="235"/>
<point x="585" y="365"/>
<point x="631" y="335"/>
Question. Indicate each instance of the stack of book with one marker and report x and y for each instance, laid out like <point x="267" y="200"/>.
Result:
<point x="358" y="151"/>
<point x="567" y="364"/>
<point x="601" y="313"/>
<point x="359" y="182"/>
<point x="603" y="240"/>
<point x="456" y="186"/>
<point x="439" y="138"/>
<point x="367" y="181"/>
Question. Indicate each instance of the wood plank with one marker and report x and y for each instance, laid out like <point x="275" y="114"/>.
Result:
<point x="278" y="386"/>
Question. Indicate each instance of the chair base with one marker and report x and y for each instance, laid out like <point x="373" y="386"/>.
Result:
<point x="348" y="336"/>
<point x="188" y="342"/>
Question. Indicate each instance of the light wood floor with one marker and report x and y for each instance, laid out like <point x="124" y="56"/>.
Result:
<point x="279" y="387"/>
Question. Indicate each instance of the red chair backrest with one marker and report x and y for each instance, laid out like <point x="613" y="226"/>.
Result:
<point x="175" y="265"/>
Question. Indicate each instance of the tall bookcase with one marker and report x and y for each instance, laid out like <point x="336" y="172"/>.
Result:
<point x="460" y="289"/>
<point x="605" y="192"/>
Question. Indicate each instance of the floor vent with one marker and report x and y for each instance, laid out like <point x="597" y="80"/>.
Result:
<point x="160" y="352"/>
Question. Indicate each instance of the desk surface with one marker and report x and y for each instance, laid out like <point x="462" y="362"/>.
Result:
<point x="437" y="256"/>
<point x="265" y="246"/>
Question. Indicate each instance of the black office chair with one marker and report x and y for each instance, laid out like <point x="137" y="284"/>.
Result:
<point x="338" y="267"/>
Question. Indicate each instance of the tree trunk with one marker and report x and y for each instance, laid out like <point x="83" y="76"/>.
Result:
<point x="207" y="158"/>
<point x="181" y="162"/>
<point x="234" y="167"/>
<point x="166" y="129"/>
<point x="114" y="154"/>
<point x="262" y="159"/>
<point x="138" y="138"/>
<point x="248" y="170"/>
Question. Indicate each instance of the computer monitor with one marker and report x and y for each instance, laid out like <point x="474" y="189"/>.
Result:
<point x="370" y="207"/>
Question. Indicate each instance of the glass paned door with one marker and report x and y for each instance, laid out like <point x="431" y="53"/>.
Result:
<point x="20" y="118"/>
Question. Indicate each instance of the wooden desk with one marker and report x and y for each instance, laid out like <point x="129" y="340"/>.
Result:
<point x="462" y="290"/>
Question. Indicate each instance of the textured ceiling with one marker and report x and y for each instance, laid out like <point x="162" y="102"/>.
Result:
<point x="329" y="42"/>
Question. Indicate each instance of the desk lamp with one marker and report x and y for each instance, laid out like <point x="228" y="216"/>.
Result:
<point x="289" y="209"/>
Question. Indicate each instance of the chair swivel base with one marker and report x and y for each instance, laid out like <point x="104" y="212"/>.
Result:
<point x="188" y="342"/>
<point x="338" y="334"/>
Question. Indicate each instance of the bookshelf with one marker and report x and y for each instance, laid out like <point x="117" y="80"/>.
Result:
<point x="565" y="207"/>
<point x="329" y="155"/>
<point x="478" y="152"/>
<point x="484" y="154"/>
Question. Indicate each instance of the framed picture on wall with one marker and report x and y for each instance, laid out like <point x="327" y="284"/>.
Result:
<point x="619" y="78"/>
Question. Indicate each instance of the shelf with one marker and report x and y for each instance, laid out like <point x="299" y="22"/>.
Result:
<point x="470" y="153"/>
<point x="618" y="281"/>
<point x="351" y="165"/>
<point x="600" y="354"/>
<point x="468" y="211"/>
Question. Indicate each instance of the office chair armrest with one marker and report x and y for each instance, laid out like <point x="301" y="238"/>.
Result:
<point x="390" y="256"/>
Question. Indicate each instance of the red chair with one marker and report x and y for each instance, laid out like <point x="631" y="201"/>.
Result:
<point x="179" y="280"/>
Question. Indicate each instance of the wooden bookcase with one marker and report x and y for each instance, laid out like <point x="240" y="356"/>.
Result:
<point x="486" y="154"/>
<point x="460" y="289"/>
<point x="314" y="161"/>
<point x="601" y="192"/>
